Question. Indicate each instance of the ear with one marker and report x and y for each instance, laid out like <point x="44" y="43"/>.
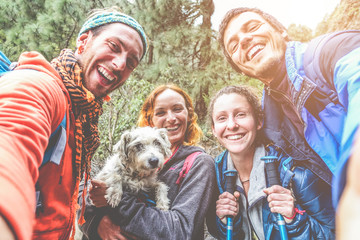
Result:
<point x="83" y="39"/>
<point x="259" y="126"/>
<point x="284" y="35"/>
<point x="121" y="146"/>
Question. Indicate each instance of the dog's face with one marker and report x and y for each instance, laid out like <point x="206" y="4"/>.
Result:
<point x="145" y="149"/>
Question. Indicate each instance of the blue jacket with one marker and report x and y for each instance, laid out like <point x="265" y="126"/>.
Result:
<point x="311" y="193"/>
<point x="329" y="136"/>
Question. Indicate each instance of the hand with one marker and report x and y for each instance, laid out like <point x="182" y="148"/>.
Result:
<point x="5" y="230"/>
<point x="107" y="230"/>
<point x="280" y="201"/>
<point x="348" y="212"/>
<point x="97" y="193"/>
<point x="227" y="205"/>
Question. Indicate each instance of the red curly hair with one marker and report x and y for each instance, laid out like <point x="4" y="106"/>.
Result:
<point x="193" y="132"/>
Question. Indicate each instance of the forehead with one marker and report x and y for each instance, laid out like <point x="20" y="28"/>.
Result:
<point x="239" y="22"/>
<point x="231" y="101"/>
<point x="169" y="97"/>
<point x="128" y="36"/>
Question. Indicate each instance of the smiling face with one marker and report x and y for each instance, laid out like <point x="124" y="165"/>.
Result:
<point x="234" y="123"/>
<point x="254" y="46"/>
<point x="109" y="57"/>
<point x="170" y="112"/>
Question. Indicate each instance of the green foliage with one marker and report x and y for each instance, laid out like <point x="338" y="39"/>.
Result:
<point x="299" y="33"/>
<point x="345" y="16"/>
<point x="121" y="113"/>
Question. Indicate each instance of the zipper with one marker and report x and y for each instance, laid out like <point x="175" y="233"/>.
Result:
<point x="248" y="216"/>
<point x="268" y="90"/>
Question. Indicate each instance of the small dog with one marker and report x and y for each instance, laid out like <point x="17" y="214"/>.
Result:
<point x="138" y="156"/>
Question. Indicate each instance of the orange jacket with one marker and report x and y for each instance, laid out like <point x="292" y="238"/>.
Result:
<point x="32" y="105"/>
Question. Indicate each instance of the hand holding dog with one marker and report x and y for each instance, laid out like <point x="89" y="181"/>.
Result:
<point x="97" y="193"/>
<point x="227" y="205"/>
<point x="280" y="201"/>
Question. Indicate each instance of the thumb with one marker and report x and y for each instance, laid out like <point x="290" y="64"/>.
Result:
<point x="97" y="183"/>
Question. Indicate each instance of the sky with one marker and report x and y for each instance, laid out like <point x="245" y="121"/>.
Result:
<point x="304" y="12"/>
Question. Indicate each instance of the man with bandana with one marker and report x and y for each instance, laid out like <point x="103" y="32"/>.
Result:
<point x="38" y="200"/>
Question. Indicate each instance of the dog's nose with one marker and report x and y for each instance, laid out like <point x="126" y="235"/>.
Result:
<point x="153" y="161"/>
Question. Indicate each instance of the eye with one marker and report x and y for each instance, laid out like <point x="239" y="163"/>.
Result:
<point x="221" y="119"/>
<point x="233" y="46"/>
<point x="139" y="147"/>
<point x="178" y="109"/>
<point x="159" y="113"/>
<point x="254" y="26"/>
<point x="131" y="63"/>
<point x="157" y="143"/>
<point x="114" y="47"/>
<point x="240" y="114"/>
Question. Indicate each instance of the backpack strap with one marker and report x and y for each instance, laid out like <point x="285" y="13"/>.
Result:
<point x="4" y="64"/>
<point x="53" y="153"/>
<point x="56" y="145"/>
<point x="187" y="166"/>
<point x="314" y="67"/>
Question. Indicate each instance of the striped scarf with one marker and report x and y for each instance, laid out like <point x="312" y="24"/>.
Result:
<point x="86" y="109"/>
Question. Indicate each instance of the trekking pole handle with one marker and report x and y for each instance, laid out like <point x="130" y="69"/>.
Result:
<point x="272" y="177"/>
<point x="230" y="179"/>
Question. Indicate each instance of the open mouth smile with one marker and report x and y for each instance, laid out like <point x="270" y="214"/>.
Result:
<point x="235" y="137"/>
<point x="172" y="129"/>
<point x="255" y="50"/>
<point x="106" y="75"/>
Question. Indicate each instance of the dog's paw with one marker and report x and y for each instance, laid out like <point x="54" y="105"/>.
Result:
<point x="113" y="199"/>
<point x="163" y="204"/>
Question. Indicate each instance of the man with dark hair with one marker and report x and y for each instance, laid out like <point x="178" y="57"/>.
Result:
<point x="67" y="92"/>
<point x="311" y="93"/>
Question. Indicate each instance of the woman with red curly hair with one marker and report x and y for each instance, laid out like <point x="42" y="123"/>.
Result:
<point x="169" y="107"/>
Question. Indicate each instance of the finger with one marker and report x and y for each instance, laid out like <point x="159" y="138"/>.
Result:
<point x="227" y="201"/>
<point x="280" y="197"/>
<point x="227" y="195"/>
<point x="97" y="183"/>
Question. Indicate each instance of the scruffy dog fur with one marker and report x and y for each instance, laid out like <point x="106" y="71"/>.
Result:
<point x="134" y="165"/>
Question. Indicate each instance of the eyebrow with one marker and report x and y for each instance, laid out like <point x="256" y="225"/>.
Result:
<point x="243" y="28"/>
<point x="133" y="55"/>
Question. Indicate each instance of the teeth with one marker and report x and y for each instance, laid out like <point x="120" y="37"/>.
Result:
<point x="254" y="50"/>
<point x="172" y="129"/>
<point x="105" y="74"/>
<point x="235" y="137"/>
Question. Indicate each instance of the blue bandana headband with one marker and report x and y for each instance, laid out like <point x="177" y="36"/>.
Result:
<point x="115" y="17"/>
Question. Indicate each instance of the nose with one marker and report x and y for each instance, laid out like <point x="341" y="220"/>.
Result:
<point x="245" y="40"/>
<point x="231" y="124"/>
<point x="153" y="161"/>
<point x="119" y="62"/>
<point x="170" y="116"/>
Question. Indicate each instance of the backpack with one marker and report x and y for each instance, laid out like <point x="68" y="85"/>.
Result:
<point x="147" y="199"/>
<point x="314" y="70"/>
<point x="57" y="140"/>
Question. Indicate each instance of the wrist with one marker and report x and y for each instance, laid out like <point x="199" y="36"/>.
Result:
<point x="295" y="211"/>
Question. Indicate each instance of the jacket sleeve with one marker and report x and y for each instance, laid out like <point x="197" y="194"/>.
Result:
<point x="31" y="107"/>
<point x="314" y="196"/>
<point x="186" y="214"/>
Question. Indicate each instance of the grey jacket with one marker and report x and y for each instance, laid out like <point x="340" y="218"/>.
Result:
<point x="189" y="203"/>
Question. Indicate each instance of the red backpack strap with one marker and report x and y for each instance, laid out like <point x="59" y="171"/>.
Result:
<point x="186" y="167"/>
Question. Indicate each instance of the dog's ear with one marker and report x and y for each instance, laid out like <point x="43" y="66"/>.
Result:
<point x="167" y="146"/>
<point x="121" y="146"/>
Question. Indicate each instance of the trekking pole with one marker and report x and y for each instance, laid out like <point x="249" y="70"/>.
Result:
<point x="272" y="178"/>
<point x="230" y="179"/>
